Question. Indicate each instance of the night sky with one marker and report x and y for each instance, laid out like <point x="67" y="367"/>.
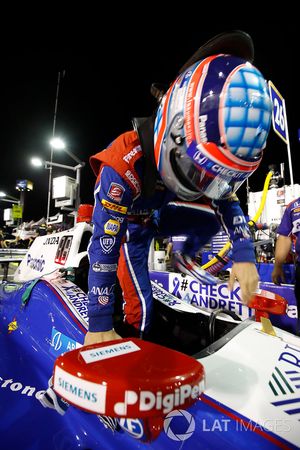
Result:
<point x="107" y="83"/>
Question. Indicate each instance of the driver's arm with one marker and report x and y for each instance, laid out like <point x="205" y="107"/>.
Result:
<point x="235" y="224"/>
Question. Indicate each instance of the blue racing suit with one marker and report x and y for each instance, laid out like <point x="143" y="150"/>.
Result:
<point x="125" y="222"/>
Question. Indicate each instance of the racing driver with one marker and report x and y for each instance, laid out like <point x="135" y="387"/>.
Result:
<point x="177" y="173"/>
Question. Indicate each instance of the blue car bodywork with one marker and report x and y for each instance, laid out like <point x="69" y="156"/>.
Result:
<point x="33" y="334"/>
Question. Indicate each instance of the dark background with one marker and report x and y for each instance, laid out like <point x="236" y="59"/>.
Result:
<point x="107" y="82"/>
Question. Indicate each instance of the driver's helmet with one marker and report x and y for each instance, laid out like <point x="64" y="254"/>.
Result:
<point x="211" y="127"/>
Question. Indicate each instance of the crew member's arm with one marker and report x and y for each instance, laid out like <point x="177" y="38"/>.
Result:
<point x="283" y="247"/>
<point x="112" y="199"/>
<point x="235" y="224"/>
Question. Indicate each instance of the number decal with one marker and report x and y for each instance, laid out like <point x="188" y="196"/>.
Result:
<point x="279" y="116"/>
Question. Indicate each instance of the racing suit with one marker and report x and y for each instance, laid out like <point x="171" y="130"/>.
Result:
<point x="125" y="222"/>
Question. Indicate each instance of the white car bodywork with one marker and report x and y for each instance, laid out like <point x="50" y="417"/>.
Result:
<point x="257" y="376"/>
<point x="53" y="251"/>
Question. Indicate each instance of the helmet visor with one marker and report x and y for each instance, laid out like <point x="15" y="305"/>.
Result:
<point x="198" y="179"/>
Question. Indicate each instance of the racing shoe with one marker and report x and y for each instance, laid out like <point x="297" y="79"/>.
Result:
<point x="49" y="399"/>
<point x="189" y="266"/>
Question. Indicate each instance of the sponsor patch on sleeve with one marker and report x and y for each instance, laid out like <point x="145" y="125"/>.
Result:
<point x="115" y="192"/>
<point x="107" y="243"/>
<point x="114" y="207"/>
<point x="112" y="227"/>
<point x="99" y="267"/>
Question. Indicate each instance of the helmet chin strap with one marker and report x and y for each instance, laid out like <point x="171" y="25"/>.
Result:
<point x="144" y="126"/>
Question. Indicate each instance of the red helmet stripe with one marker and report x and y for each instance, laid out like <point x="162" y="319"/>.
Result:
<point x="157" y="148"/>
<point x="195" y="84"/>
<point x="212" y="151"/>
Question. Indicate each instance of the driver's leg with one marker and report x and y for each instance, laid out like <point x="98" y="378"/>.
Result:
<point x="197" y="221"/>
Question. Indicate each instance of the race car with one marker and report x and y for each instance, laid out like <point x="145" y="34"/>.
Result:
<point x="247" y="385"/>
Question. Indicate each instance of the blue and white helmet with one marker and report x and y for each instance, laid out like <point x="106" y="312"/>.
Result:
<point x="211" y="127"/>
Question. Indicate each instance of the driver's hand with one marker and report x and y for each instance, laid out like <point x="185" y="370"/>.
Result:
<point x="247" y="276"/>
<point x="100" y="336"/>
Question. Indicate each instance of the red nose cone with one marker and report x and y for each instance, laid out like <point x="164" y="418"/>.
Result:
<point x="128" y="378"/>
<point x="84" y="213"/>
